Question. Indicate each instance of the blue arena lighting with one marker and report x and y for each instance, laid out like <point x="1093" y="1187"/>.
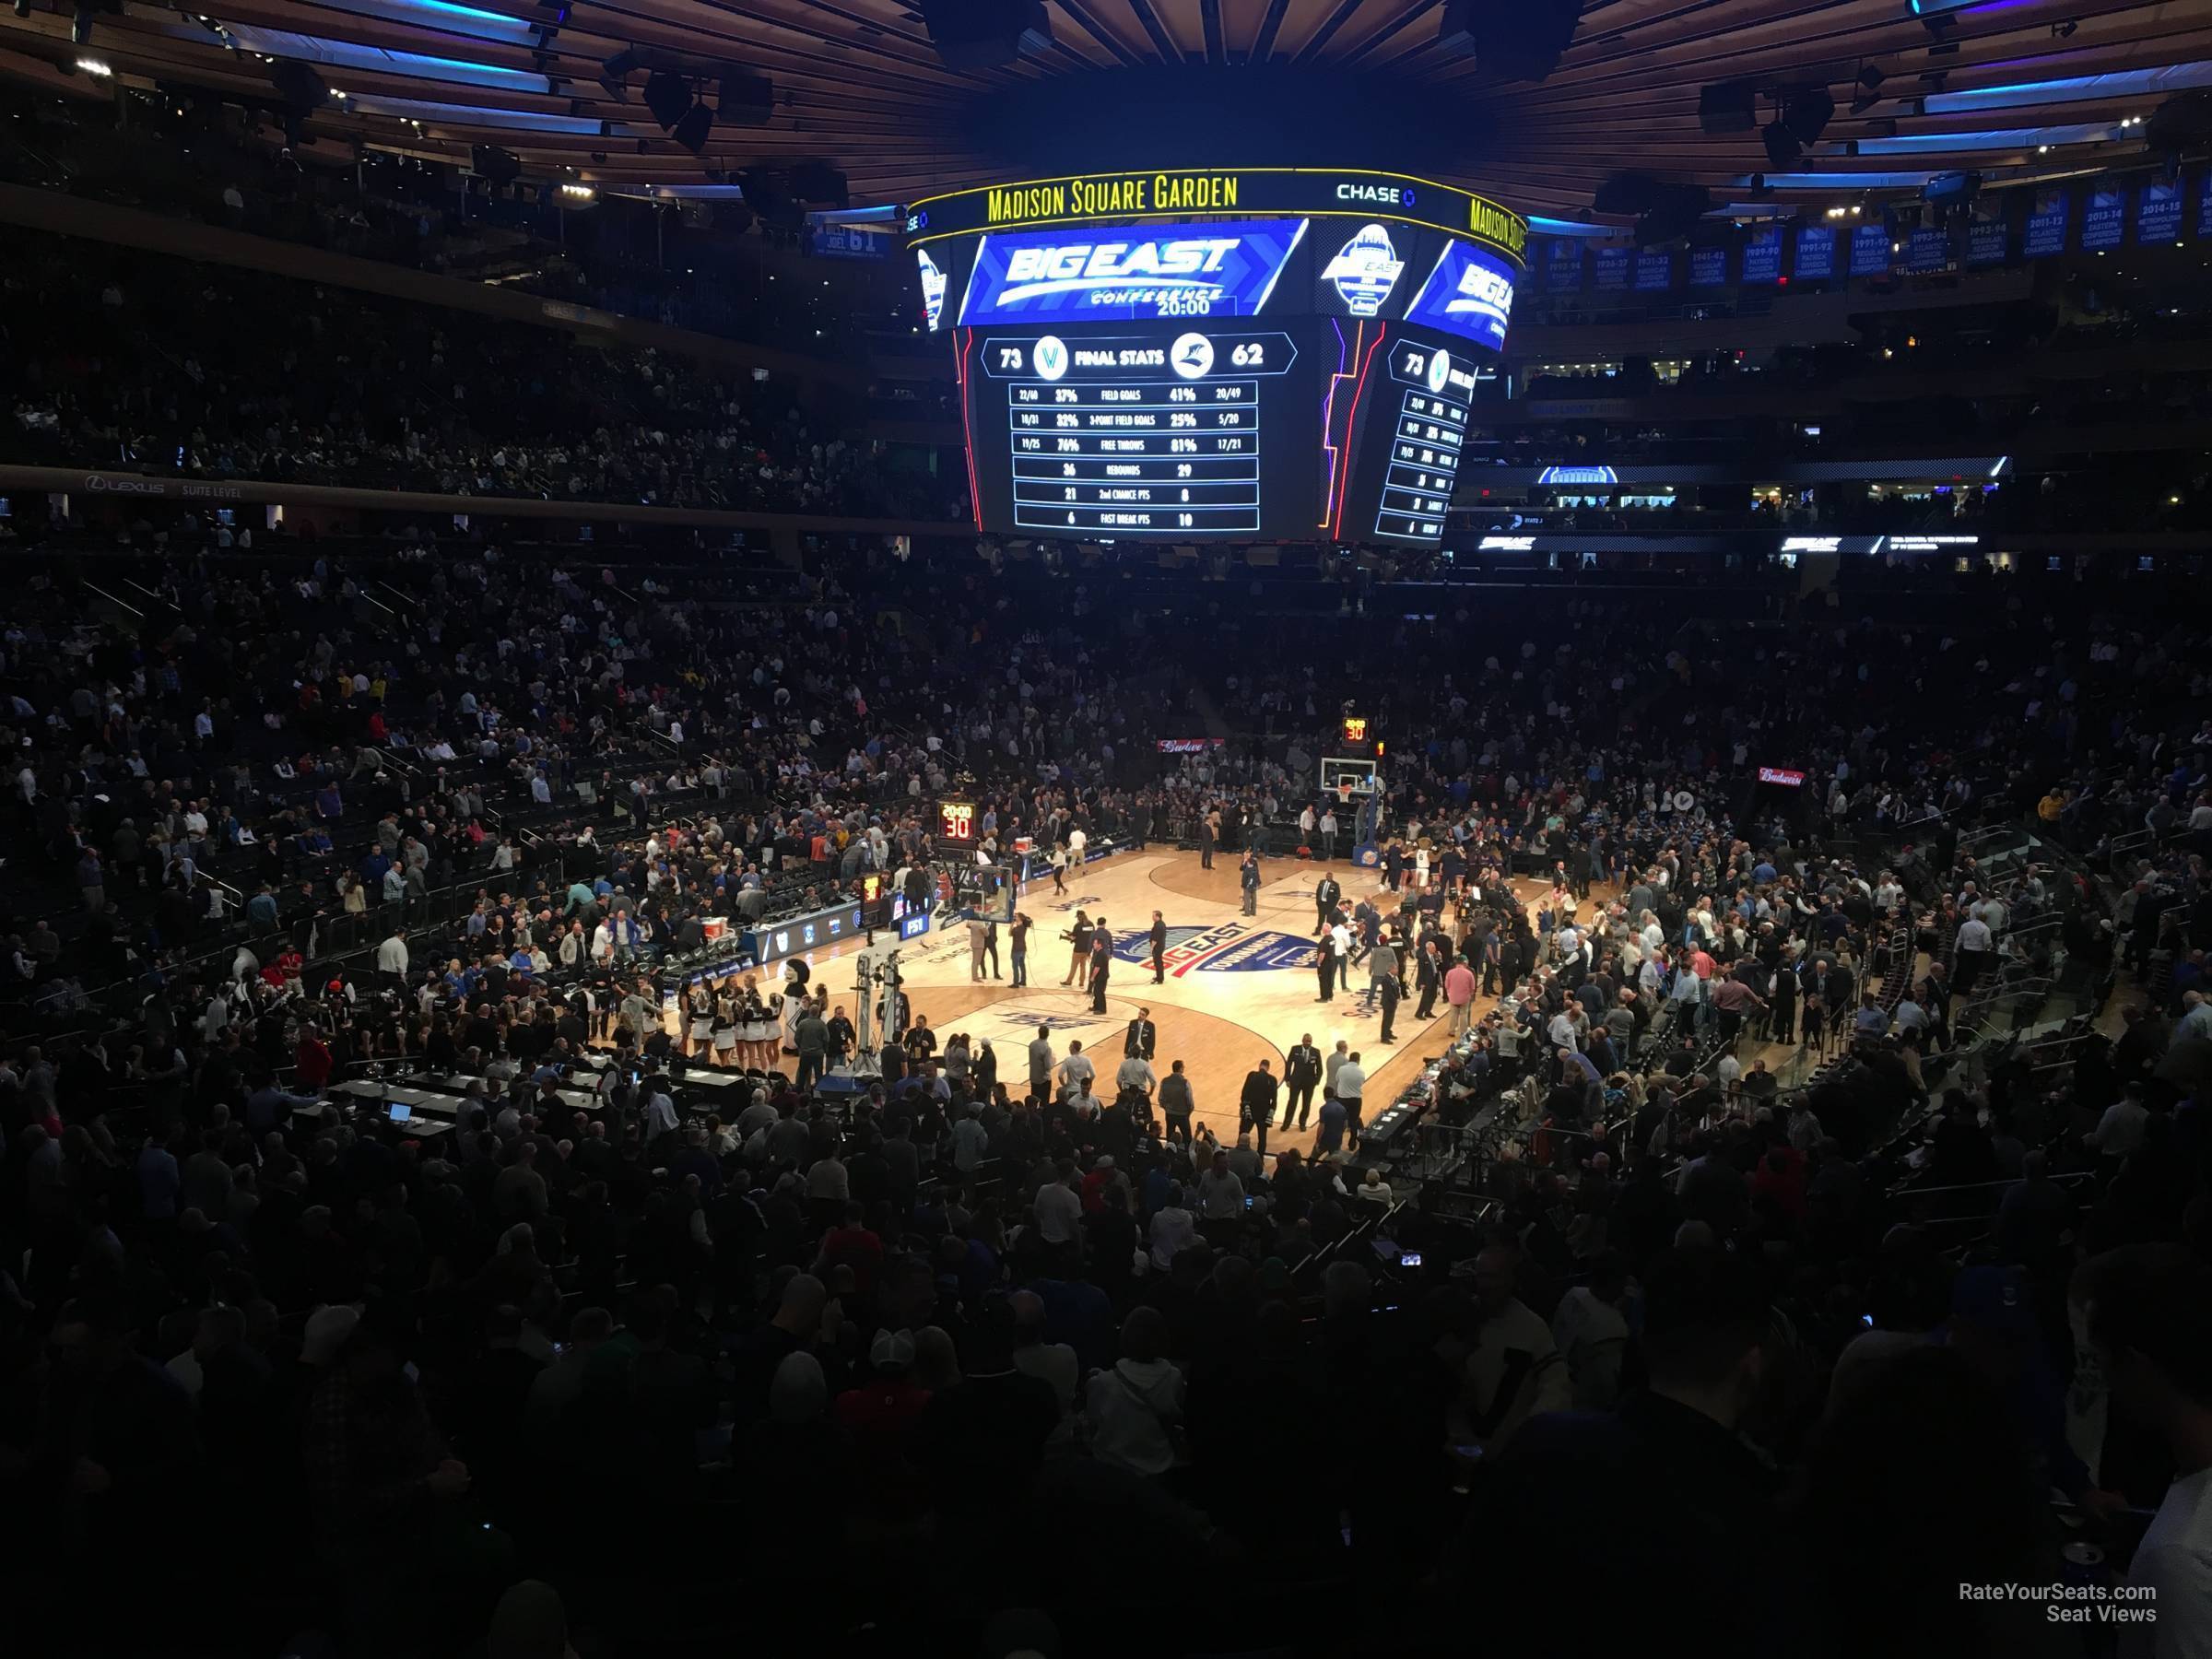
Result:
<point x="1839" y="181"/>
<point x="344" y="54"/>
<point x="2075" y="88"/>
<point x="1999" y="138"/>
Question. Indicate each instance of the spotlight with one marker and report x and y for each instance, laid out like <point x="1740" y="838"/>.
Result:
<point x="613" y="71"/>
<point x="1808" y="113"/>
<point x="92" y="66"/>
<point x="692" y="128"/>
<point x="80" y="24"/>
<point x="1783" y="147"/>
<point x="668" y="96"/>
<point x="1870" y="82"/>
<point x="1939" y="24"/>
<point x="985" y="34"/>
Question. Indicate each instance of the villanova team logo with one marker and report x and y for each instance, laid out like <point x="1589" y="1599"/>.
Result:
<point x="933" y="288"/>
<point x="1365" y="270"/>
<point x="1226" y="947"/>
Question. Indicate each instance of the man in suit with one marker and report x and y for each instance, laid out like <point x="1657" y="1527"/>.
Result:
<point x="1159" y="949"/>
<point x="1324" y="901"/>
<point x="1386" y="993"/>
<point x="1428" y="977"/>
<point x="1142" y="1037"/>
<point x="1302" y="1072"/>
<point x="1102" y="963"/>
<point x="1256" y="1104"/>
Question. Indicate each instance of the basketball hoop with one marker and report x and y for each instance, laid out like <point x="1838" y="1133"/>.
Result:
<point x="1344" y="796"/>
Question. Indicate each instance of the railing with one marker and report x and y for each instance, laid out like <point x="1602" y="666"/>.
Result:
<point x="1973" y="1205"/>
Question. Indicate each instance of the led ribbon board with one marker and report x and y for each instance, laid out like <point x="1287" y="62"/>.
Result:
<point x="1129" y="273"/>
<point x="1469" y="293"/>
<point x="1291" y="192"/>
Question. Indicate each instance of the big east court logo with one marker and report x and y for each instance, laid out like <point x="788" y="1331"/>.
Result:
<point x="1226" y="947"/>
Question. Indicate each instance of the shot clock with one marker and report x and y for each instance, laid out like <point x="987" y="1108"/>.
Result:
<point x="956" y="820"/>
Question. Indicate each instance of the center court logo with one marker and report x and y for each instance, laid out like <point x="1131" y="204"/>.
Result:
<point x="1364" y="271"/>
<point x="1226" y="947"/>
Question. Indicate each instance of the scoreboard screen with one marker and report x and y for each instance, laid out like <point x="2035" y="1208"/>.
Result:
<point x="1160" y="431"/>
<point x="1257" y="378"/>
<point x="1411" y="424"/>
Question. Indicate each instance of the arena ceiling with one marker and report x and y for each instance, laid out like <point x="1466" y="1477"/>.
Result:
<point x="2007" y="87"/>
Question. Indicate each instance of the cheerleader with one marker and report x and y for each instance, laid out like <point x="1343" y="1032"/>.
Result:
<point x="699" y="1021"/>
<point x="757" y="1029"/>
<point x="725" y="1030"/>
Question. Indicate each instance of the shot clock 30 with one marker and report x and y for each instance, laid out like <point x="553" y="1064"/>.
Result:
<point x="956" y="820"/>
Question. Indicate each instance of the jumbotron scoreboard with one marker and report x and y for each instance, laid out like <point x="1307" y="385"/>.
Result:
<point x="1264" y="354"/>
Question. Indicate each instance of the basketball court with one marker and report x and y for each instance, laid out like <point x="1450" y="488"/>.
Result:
<point x="1238" y="989"/>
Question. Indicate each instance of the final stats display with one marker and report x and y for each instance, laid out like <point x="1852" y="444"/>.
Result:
<point x="1133" y="433"/>
<point x="1258" y="378"/>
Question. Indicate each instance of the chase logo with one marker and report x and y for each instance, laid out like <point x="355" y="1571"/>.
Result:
<point x="1364" y="271"/>
<point x="933" y="288"/>
<point x="1383" y="195"/>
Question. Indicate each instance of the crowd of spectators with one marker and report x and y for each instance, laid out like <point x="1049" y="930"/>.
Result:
<point x="698" y="270"/>
<point x="119" y="360"/>
<point x="823" y="1365"/>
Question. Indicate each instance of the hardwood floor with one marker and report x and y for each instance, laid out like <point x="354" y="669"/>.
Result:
<point x="1237" y="990"/>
